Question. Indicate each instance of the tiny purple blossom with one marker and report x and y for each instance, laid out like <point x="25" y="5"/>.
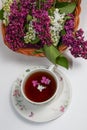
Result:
<point x="16" y="93"/>
<point x="45" y="80"/>
<point x="62" y="108"/>
<point x="31" y="114"/>
<point x="35" y="83"/>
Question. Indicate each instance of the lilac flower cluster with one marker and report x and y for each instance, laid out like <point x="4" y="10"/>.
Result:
<point x="45" y="80"/>
<point x="47" y="4"/>
<point x="75" y="40"/>
<point x="17" y="19"/>
<point x="42" y="25"/>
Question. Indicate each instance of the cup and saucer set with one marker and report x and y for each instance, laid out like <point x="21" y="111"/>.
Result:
<point x="41" y="94"/>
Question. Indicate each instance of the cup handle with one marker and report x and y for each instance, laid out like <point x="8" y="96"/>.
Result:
<point x="51" y="67"/>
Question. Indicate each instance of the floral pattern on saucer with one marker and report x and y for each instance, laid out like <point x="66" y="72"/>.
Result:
<point x="19" y="100"/>
<point x="46" y="112"/>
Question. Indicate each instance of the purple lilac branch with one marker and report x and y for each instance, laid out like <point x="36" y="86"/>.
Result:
<point x="15" y="28"/>
<point x="42" y="25"/>
<point x="75" y="40"/>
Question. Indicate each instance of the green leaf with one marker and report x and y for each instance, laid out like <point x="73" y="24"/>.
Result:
<point x="55" y="56"/>
<point x="68" y="8"/>
<point x="29" y="17"/>
<point x="63" y="32"/>
<point x="38" y="51"/>
<point x="26" y="26"/>
<point x="61" y="4"/>
<point x="1" y="14"/>
<point x="35" y="41"/>
<point x="51" y="53"/>
<point x="67" y="18"/>
<point x="51" y="11"/>
<point x="61" y="60"/>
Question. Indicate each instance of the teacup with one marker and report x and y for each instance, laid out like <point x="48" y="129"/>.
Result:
<point x="40" y="85"/>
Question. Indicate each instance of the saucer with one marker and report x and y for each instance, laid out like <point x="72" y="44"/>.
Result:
<point x="45" y="112"/>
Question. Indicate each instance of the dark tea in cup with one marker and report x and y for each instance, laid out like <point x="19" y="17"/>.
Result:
<point x="40" y="86"/>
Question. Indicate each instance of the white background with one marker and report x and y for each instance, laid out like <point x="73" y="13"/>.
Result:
<point x="13" y="64"/>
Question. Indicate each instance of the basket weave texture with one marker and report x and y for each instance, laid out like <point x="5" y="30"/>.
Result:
<point x="29" y="51"/>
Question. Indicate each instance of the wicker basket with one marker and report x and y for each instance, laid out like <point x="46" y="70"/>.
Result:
<point x="29" y="51"/>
